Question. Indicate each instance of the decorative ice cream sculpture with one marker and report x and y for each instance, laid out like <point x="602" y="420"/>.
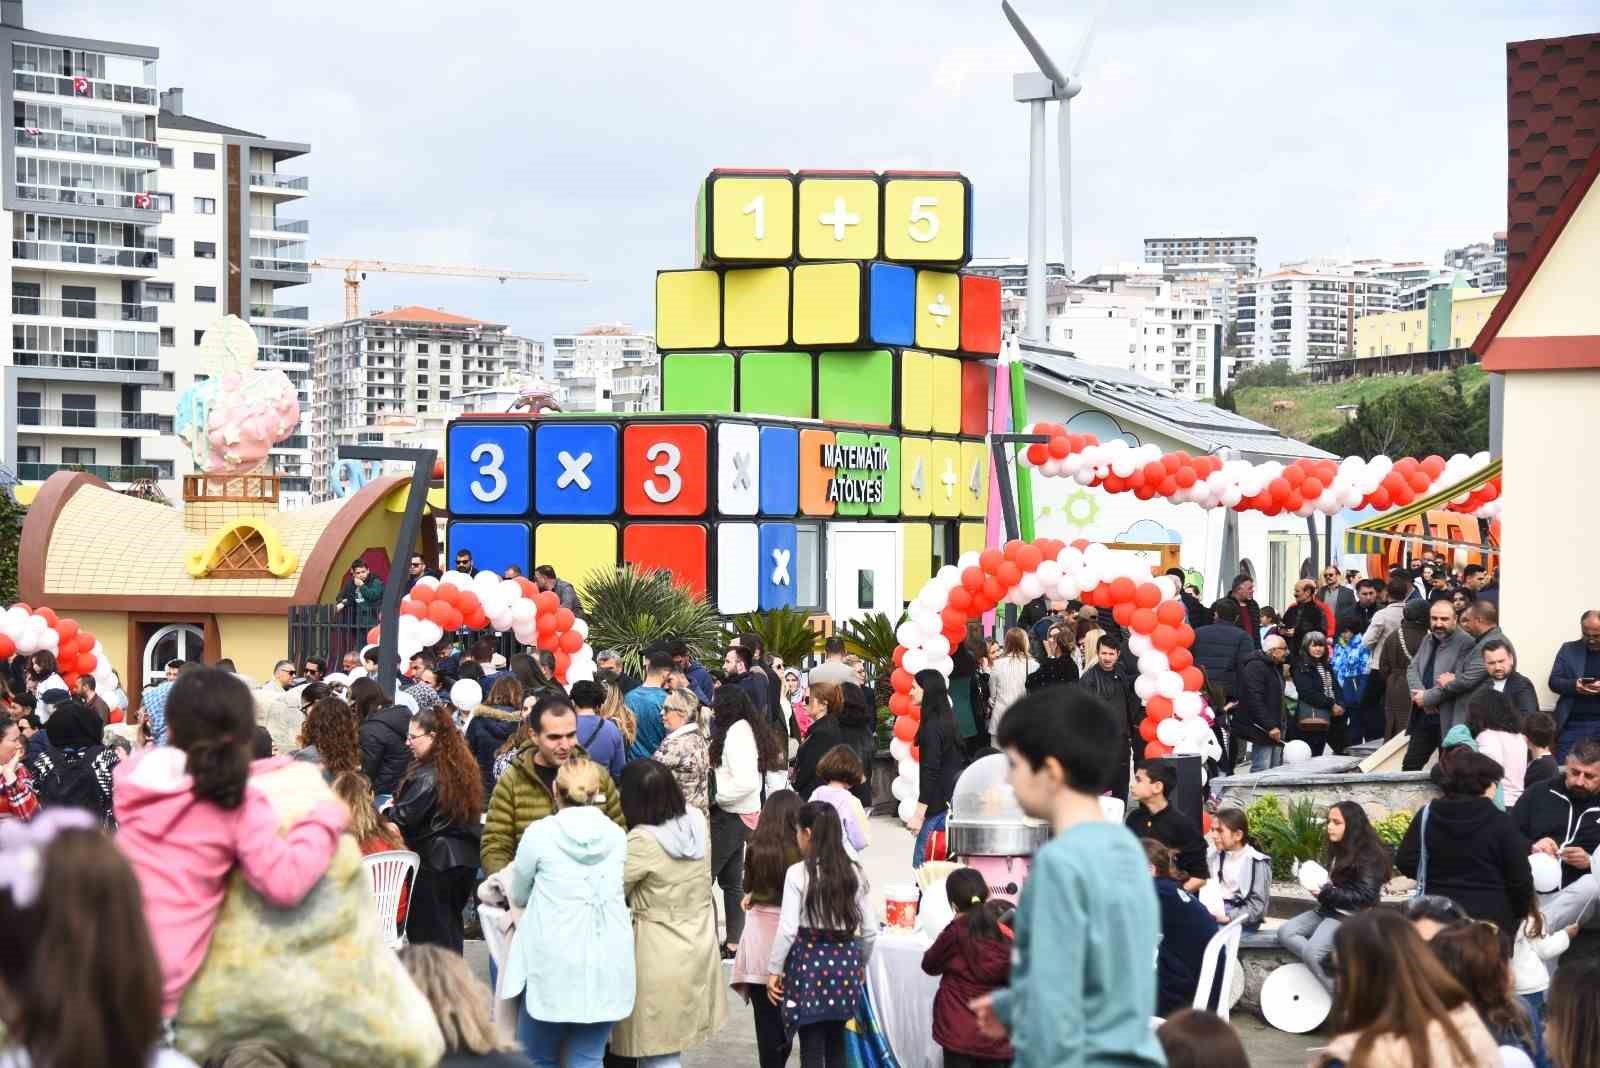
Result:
<point x="231" y="420"/>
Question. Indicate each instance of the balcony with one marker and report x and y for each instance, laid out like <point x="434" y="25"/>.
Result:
<point x="87" y="197"/>
<point x="83" y="309"/>
<point x="280" y="269"/>
<point x="88" y="144"/>
<point x="292" y="185"/>
<point x="86" y="89"/>
<point x="78" y="256"/>
<point x="272" y="224"/>
<point x="104" y="472"/>
<point x="79" y="419"/>
<point x="279" y="311"/>
<point x="131" y="370"/>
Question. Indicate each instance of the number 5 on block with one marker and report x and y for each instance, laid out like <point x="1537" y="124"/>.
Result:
<point x="925" y="218"/>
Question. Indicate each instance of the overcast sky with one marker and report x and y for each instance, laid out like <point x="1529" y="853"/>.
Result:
<point x="570" y="137"/>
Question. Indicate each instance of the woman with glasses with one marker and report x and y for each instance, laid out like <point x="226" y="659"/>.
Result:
<point x="437" y="806"/>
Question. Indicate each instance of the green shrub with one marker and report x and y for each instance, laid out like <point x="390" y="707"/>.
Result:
<point x="1392" y="828"/>
<point x="630" y="609"/>
<point x="785" y="633"/>
<point x="1286" y="835"/>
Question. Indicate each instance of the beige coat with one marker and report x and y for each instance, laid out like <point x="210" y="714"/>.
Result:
<point x="1391" y="1051"/>
<point x="680" y="1000"/>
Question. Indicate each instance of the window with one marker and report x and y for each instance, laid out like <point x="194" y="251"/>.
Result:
<point x="205" y="161"/>
<point x="205" y="294"/>
<point x="164" y="246"/>
<point x="28" y="454"/>
<point x="205" y="205"/>
<point x="167" y="380"/>
<point x="422" y="394"/>
<point x="422" y="379"/>
<point x="168" y="339"/>
<point x="444" y="350"/>
<point x="164" y="202"/>
<point x="28" y="403"/>
<point x="76" y="455"/>
<point x="422" y="348"/>
<point x="165" y="156"/>
<point x="205" y="250"/>
<point x="158" y="292"/>
<point x="422" y="364"/>
<point x="77" y="302"/>
<point x="77" y="409"/>
<point x="199" y="335"/>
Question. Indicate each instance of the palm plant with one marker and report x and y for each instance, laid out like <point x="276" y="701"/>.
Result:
<point x="785" y="633"/>
<point x="631" y="609"/>
<point x="1286" y="835"/>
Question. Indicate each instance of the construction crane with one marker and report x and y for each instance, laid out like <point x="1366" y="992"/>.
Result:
<point x="357" y="270"/>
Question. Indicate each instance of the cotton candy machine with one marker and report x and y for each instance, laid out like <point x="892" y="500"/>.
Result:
<point x="988" y="830"/>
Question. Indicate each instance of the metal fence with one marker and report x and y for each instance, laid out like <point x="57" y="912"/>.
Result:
<point x="321" y="630"/>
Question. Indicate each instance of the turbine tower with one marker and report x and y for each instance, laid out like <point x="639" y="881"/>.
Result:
<point x="1037" y="89"/>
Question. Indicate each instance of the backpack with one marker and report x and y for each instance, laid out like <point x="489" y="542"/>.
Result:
<point x="66" y="779"/>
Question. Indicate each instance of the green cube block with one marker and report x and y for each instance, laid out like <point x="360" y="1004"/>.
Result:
<point x="775" y="383"/>
<point x="856" y="386"/>
<point x="697" y="382"/>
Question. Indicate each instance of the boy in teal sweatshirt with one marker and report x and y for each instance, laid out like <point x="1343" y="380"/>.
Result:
<point x="1083" y="978"/>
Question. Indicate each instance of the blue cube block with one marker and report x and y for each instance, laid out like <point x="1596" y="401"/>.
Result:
<point x="575" y="469"/>
<point x="487" y="469"/>
<point x="494" y="545"/>
<point x="777" y="561"/>
<point x="780" y="470"/>
<point x="891" y="313"/>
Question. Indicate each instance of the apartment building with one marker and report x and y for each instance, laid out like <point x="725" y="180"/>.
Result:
<point x="1013" y="273"/>
<point x="410" y="361"/>
<point x="80" y="180"/>
<point x="232" y="241"/>
<point x="606" y="368"/>
<point x="1483" y="263"/>
<point x="1450" y="319"/>
<point x="1173" y="251"/>
<point x="1308" y="311"/>
<point x="1147" y="325"/>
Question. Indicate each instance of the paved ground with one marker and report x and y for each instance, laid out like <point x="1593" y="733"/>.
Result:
<point x="887" y="860"/>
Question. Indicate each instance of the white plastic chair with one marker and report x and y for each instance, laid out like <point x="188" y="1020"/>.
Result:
<point x="1225" y="943"/>
<point x="391" y="873"/>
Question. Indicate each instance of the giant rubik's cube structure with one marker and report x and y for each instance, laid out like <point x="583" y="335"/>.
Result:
<point x="825" y="361"/>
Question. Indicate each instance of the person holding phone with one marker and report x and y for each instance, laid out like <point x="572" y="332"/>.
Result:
<point x="1575" y="678"/>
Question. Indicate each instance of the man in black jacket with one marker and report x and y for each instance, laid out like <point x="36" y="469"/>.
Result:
<point x="1154" y="817"/>
<point x="1258" y="717"/>
<point x="1106" y="681"/>
<point x="1562" y="819"/>
<point x="1220" y="647"/>
<point x="384" y="755"/>
<point x="1243" y="592"/>
<point x="1500" y="673"/>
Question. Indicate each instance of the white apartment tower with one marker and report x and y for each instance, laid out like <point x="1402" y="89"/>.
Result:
<point x="232" y="241"/>
<point x="79" y="198"/>
<point x="409" y="361"/>
<point x="1302" y="313"/>
<point x="607" y="368"/>
<point x="1149" y="326"/>
<point x="1172" y="251"/>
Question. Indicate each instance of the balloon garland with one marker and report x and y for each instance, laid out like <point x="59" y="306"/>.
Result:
<point x="28" y="630"/>
<point x="1303" y="487"/>
<point x="1177" y="719"/>
<point x="434" y="607"/>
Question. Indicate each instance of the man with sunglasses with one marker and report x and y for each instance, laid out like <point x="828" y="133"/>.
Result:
<point x="1335" y="594"/>
<point x="416" y="568"/>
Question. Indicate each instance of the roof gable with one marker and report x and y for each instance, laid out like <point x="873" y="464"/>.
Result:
<point x="413" y="313"/>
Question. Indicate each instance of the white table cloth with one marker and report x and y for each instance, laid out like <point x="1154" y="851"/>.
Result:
<point x="903" y="994"/>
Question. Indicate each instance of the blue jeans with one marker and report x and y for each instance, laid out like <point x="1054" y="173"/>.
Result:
<point x="919" y="851"/>
<point x="1535" y="1006"/>
<point x="1264" y="755"/>
<point x="542" y="1042"/>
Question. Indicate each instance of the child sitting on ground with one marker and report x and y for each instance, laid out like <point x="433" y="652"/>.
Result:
<point x="841" y="772"/>
<point x="971" y="957"/>
<point x="1088" y="909"/>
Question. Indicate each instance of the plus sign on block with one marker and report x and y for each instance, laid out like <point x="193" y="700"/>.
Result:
<point x="838" y="217"/>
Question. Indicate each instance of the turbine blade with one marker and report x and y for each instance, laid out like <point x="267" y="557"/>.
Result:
<point x="1047" y="66"/>
<point x="1088" y="39"/>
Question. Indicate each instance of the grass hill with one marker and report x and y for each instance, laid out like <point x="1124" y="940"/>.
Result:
<point x="1314" y="409"/>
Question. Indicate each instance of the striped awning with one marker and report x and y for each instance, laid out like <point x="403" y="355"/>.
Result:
<point x="1369" y="537"/>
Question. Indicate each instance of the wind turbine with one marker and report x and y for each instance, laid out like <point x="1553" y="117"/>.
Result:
<point x="1036" y="90"/>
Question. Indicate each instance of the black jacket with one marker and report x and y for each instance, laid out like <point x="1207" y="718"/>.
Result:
<point x="1186" y="930"/>
<point x="825" y="733"/>
<point x="942" y="763"/>
<point x="1053" y="671"/>
<point x="1355" y="886"/>
<point x="1548" y="811"/>
<point x="429" y="832"/>
<point x="1260" y="706"/>
<point x="1309" y="684"/>
<point x="1176" y="830"/>
<point x="1113" y="688"/>
<point x="488" y="731"/>
<point x="1218" y="649"/>
<point x="384" y="756"/>
<point x="1250" y="621"/>
<point x="1301" y="619"/>
<point x="1519" y="691"/>
<point x="1476" y="857"/>
<point x="1195" y="611"/>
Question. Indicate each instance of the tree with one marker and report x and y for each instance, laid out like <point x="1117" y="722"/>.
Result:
<point x="1415" y="420"/>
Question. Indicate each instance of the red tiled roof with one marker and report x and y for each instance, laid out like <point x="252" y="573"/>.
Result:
<point x="413" y="313"/>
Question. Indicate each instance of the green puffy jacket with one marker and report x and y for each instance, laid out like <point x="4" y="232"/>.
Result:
<point x="521" y="798"/>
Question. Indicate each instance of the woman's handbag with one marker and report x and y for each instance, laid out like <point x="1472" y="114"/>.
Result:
<point x="1308" y="717"/>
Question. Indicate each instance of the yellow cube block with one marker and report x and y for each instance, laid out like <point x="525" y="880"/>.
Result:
<point x="925" y="220"/>
<point x="827" y="304"/>
<point x="688" y="309"/>
<point x="577" y="550"/>
<point x="838" y="219"/>
<point x="916" y="390"/>
<point x="916" y="558"/>
<point x="944" y="468"/>
<point x="938" y="310"/>
<point x="970" y="538"/>
<point x="752" y="218"/>
<point x="916" y="476"/>
<point x="974" y="479"/>
<point x="946" y="395"/>
<point x="755" y="307"/>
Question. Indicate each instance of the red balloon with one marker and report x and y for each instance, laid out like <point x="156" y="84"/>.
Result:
<point x="972" y="579"/>
<point x="1058" y="448"/>
<point x="529" y="589"/>
<point x="1164" y="638"/>
<point x="1038" y="454"/>
<point x="955" y="635"/>
<point x="1179" y="658"/>
<point x="1170" y="613"/>
<point x="1029" y="557"/>
<point x="1159" y="707"/>
<point x="8" y="648"/>
<point x="982" y="602"/>
<point x="67" y="649"/>
<point x="546" y="601"/>
<point x="1101" y="597"/>
<point x="1148" y="595"/>
<point x="570" y="642"/>
<point x="1147" y="729"/>
<point x="1311" y="488"/>
<point x="565" y="619"/>
<point x="960" y="599"/>
<point x="86" y="640"/>
<point x="916" y="752"/>
<point x="563" y="662"/>
<point x="71" y="679"/>
<point x="905" y="728"/>
<point x="993" y="590"/>
<point x="901" y="680"/>
<point x="1380" y="499"/>
<point x="1294" y="474"/>
<point x="372" y="636"/>
<point x="86" y="663"/>
<point x="1170" y="463"/>
<point x="899" y="655"/>
<point x="1114" y="484"/>
<point x="1279" y="489"/>
<point x="1193" y="678"/>
<point x="545" y="624"/>
<point x="1123" y="613"/>
<point x="1009" y="574"/>
<point x="1155" y="751"/>
<point x="899" y="703"/>
<point x="990" y="560"/>
<point x="1122" y="589"/>
<point x="1185" y="635"/>
<point x="66" y="628"/>
<point x="1168" y="486"/>
<point x="952" y="617"/>
<point x="47" y="615"/>
<point x="447" y="594"/>
<point x="1434" y="466"/>
<point x="1185" y="477"/>
<point x="440" y="612"/>
<point x="1154" y="472"/>
<point x="1420" y="481"/>
<point x="1143" y="621"/>
<point x="423" y="594"/>
<point x="548" y="642"/>
<point x="475" y="617"/>
<point x="1080" y="543"/>
<point x="913" y="709"/>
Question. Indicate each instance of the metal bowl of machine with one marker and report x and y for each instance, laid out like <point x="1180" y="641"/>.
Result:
<point x="985" y="819"/>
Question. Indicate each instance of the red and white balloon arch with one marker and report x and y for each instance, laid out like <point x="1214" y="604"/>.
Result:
<point x="435" y="607"/>
<point x="1303" y="487"/>
<point x="1177" y="718"/>
<point x="29" y="630"/>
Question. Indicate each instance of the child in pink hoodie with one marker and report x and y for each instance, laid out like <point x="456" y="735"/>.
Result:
<point x="187" y="814"/>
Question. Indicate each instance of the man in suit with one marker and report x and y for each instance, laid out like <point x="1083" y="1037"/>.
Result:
<point x="1335" y="594"/>
<point x="1575" y="678"/>
<point x="1500" y="673"/>
<point x="1482" y="624"/>
<point x="1441" y="656"/>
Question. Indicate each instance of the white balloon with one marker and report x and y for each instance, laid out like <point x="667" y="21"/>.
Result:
<point x="466" y="694"/>
<point x="582" y="627"/>
<point x="1169" y="684"/>
<point x="907" y="767"/>
<point x="577" y="672"/>
<point x="915" y="661"/>
<point x="967" y="559"/>
<point x="1139" y="644"/>
<point x="1030" y="587"/>
<point x="901" y="789"/>
<point x="908" y="634"/>
<point x="459" y="579"/>
<point x="1049" y="573"/>
<point x="937" y="646"/>
<point x="1296" y="752"/>
<point x="899" y="750"/>
<point x="1169" y="732"/>
<point x="1153" y="663"/>
<point x="1145" y="687"/>
<point x="948" y="575"/>
<point x="1187" y="705"/>
<point x="431" y="632"/>
<point x="908" y="808"/>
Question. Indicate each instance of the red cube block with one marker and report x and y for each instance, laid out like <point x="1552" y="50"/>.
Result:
<point x="975" y="380"/>
<point x="980" y="314"/>
<point x="664" y="469"/>
<point x="676" y="547"/>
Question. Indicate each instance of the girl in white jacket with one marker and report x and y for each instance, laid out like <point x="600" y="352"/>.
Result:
<point x="1008" y="677"/>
